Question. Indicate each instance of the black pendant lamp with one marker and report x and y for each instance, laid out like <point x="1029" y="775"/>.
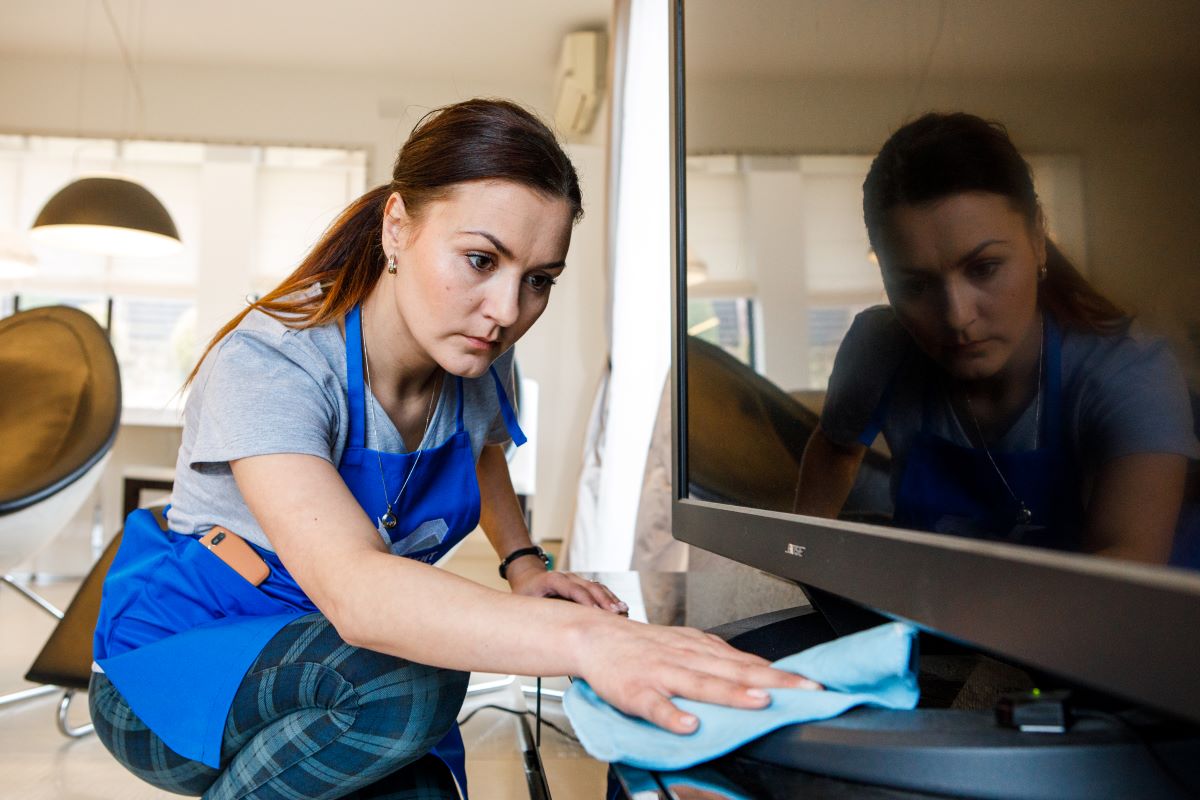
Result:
<point x="111" y="216"/>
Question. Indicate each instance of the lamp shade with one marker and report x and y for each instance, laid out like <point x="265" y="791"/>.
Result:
<point x="107" y="215"/>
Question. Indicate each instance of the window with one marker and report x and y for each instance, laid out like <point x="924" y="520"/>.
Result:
<point x="785" y="235"/>
<point x="155" y="342"/>
<point x="728" y="323"/>
<point x="246" y="215"/>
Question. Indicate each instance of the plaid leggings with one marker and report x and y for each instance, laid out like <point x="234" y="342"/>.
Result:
<point x="313" y="718"/>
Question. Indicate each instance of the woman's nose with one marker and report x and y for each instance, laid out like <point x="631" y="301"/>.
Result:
<point x="503" y="301"/>
<point x="959" y="307"/>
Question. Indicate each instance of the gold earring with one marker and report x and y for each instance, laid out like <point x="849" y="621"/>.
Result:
<point x="391" y="264"/>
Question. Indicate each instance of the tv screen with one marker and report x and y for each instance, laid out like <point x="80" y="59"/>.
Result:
<point x="969" y="403"/>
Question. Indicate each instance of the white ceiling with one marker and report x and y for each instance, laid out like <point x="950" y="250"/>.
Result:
<point x="518" y="40"/>
<point x="452" y="39"/>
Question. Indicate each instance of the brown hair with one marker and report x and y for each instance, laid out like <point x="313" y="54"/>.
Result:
<point x="943" y="154"/>
<point x="479" y="139"/>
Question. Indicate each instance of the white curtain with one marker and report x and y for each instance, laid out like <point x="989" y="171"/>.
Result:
<point x="639" y="289"/>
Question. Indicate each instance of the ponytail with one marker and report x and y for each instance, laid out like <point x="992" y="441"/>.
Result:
<point x="1073" y="302"/>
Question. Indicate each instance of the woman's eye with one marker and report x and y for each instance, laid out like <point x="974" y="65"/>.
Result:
<point x="983" y="269"/>
<point x="480" y="261"/>
<point x="540" y="283"/>
<point x="914" y="286"/>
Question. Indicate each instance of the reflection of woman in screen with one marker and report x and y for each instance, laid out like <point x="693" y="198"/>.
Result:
<point x="1016" y="402"/>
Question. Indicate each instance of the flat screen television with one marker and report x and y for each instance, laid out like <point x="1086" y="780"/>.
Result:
<point x="777" y="108"/>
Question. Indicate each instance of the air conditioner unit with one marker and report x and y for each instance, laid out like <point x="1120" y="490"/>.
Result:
<point x="580" y="82"/>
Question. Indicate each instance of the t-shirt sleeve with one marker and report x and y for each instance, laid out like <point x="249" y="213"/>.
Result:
<point x="261" y="399"/>
<point x="867" y="360"/>
<point x="506" y="368"/>
<point x="1134" y="399"/>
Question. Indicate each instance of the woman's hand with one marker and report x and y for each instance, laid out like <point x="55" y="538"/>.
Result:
<point x="532" y="580"/>
<point x="638" y="668"/>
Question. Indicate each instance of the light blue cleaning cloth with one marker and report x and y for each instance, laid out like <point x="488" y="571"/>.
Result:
<point x="875" y="667"/>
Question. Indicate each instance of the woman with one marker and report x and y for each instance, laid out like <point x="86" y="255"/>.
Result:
<point x="1016" y="402"/>
<point x="354" y="414"/>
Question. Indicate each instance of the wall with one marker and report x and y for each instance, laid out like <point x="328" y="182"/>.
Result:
<point x="1135" y="136"/>
<point x="565" y="352"/>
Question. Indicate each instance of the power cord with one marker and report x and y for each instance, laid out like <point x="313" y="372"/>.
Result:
<point x="1167" y="770"/>
<point x="561" y="732"/>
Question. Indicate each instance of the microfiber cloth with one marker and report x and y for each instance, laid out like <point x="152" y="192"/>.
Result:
<point x="875" y="667"/>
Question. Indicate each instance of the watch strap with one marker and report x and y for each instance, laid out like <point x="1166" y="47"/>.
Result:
<point x="524" y="551"/>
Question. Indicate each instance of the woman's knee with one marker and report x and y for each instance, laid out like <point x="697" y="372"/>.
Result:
<point x="414" y="705"/>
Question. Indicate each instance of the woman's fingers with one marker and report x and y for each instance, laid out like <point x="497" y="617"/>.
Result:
<point x="657" y="708"/>
<point x="702" y="643"/>
<point x="585" y="592"/>
<point x="640" y="668"/>
<point x="600" y="594"/>
<point x="578" y="592"/>
<point x="752" y="676"/>
<point x="607" y="598"/>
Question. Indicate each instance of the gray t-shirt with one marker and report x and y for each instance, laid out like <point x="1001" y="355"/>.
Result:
<point x="267" y="388"/>
<point x="1121" y="394"/>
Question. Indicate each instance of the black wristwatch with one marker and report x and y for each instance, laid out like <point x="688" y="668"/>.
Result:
<point x="524" y="551"/>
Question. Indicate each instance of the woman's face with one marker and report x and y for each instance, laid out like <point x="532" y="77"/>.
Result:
<point x="475" y="271"/>
<point x="962" y="275"/>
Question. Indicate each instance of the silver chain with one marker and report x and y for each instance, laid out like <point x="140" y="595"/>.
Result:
<point x="388" y="516"/>
<point x="1023" y="510"/>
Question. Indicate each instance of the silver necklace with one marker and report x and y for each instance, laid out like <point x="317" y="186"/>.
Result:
<point x="388" y="520"/>
<point x="1024" y="515"/>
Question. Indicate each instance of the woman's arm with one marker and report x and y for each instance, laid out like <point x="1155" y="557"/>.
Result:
<point x="504" y="525"/>
<point x="827" y="473"/>
<point x="1134" y="507"/>
<point x="414" y="611"/>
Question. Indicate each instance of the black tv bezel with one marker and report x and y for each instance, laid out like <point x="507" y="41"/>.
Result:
<point x="1117" y="627"/>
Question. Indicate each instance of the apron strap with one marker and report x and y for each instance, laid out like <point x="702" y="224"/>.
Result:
<point x="506" y="411"/>
<point x="458" y="414"/>
<point x="1052" y="408"/>
<point x="354" y="379"/>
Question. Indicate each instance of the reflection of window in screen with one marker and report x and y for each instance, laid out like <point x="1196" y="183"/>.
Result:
<point x="246" y="214"/>
<point x="728" y="323"/>
<point x="785" y="234"/>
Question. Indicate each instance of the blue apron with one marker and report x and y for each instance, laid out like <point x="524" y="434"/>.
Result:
<point x="173" y="613"/>
<point x="947" y="488"/>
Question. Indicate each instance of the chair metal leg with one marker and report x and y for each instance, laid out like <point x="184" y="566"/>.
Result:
<point x="483" y="687"/>
<point x="26" y="694"/>
<point x="33" y="597"/>
<point x="52" y="610"/>
<point x="547" y="694"/>
<point x="63" y="725"/>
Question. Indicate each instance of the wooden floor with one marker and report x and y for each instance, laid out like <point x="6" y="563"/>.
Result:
<point x="37" y="762"/>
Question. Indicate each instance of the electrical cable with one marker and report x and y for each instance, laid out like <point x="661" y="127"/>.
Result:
<point x="560" y="731"/>
<point x="1166" y="768"/>
<point x="134" y="81"/>
<point x="937" y="38"/>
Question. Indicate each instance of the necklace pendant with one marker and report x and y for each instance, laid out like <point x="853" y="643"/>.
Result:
<point x="1024" y="515"/>
<point x="388" y="520"/>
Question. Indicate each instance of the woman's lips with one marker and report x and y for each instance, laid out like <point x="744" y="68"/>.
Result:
<point x="480" y="344"/>
<point x="967" y="348"/>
